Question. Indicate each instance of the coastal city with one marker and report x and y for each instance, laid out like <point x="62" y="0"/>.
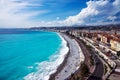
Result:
<point x="86" y="53"/>
<point x="103" y="54"/>
<point x="101" y="51"/>
<point x="106" y="47"/>
<point x="59" y="39"/>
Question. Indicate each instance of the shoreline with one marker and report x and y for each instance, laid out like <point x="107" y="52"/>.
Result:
<point x="61" y="66"/>
<point x="71" y="60"/>
<point x="52" y="64"/>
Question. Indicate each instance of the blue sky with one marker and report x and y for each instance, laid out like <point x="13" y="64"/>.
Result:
<point x="30" y="13"/>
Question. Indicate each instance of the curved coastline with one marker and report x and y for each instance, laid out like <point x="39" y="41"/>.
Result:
<point x="63" y="57"/>
<point x="52" y="64"/>
<point x="61" y="66"/>
<point x="71" y="61"/>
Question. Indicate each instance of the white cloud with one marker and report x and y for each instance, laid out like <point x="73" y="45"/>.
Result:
<point x="116" y="2"/>
<point x="12" y="13"/>
<point x="97" y="11"/>
<point x="112" y="18"/>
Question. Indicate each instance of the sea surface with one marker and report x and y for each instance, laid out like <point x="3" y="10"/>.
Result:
<point x="30" y="55"/>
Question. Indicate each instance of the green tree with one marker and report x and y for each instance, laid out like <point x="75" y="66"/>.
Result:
<point x="84" y="70"/>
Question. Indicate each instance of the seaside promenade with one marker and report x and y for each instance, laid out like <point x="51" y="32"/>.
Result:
<point x="106" y="55"/>
<point x="71" y="62"/>
<point x="96" y="70"/>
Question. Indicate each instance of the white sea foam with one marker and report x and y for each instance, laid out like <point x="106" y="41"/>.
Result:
<point x="30" y="67"/>
<point x="46" y="68"/>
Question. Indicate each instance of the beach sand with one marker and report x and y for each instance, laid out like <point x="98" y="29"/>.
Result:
<point x="71" y="62"/>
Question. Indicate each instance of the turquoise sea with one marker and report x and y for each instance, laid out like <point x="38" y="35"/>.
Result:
<point x="29" y="55"/>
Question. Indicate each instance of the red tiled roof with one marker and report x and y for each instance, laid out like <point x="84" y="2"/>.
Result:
<point x="116" y="39"/>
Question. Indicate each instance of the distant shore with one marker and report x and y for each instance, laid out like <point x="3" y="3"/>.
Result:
<point x="71" y="61"/>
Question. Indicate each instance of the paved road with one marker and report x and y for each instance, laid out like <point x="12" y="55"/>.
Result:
<point x="85" y="51"/>
<point x="99" y="69"/>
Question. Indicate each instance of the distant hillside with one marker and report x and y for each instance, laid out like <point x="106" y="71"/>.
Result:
<point x="100" y="27"/>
